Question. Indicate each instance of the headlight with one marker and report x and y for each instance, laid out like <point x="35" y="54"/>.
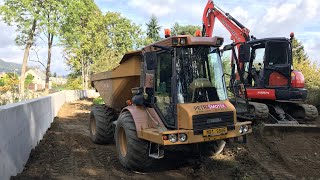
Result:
<point x="183" y="41"/>
<point x="173" y="138"/>
<point x="245" y="128"/>
<point x="175" y="41"/>
<point x="183" y="137"/>
<point x="241" y="129"/>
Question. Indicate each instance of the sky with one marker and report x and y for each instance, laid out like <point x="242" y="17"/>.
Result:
<point x="269" y="18"/>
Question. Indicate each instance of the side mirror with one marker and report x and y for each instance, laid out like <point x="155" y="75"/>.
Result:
<point x="137" y="98"/>
<point x="137" y="90"/>
<point x="151" y="60"/>
<point x="244" y="53"/>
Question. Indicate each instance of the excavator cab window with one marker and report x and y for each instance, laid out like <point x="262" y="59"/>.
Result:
<point x="256" y="66"/>
<point x="277" y="53"/>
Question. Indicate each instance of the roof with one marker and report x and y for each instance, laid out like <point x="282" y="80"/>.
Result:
<point x="175" y="41"/>
<point x="268" y="39"/>
<point x="39" y="73"/>
<point x="168" y="42"/>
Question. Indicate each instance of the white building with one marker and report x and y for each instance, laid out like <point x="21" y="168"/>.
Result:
<point x="39" y="79"/>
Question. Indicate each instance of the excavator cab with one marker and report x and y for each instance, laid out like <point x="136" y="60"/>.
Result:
<point x="270" y="67"/>
<point x="275" y="66"/>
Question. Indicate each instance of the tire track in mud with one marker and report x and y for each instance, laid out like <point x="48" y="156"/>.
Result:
<point x="269" y="160"/>
<point x="66" y="152"/>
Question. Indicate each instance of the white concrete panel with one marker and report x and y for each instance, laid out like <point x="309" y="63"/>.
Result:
<point x="23" y="125"/>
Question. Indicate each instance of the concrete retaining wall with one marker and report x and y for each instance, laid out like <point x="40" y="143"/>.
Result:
<point x="23" y="125"/>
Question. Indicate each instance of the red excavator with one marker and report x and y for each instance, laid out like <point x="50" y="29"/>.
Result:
<point x="262" y="78"/>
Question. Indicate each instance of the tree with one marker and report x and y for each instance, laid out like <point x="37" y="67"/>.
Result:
<point x="77" y="31"/>
<point x="122" y="36"/>
<point x="97" y="42"/>
<point x="310" y="71"/>
<point x="28" y="80"/>
<point x="178" y="29"/>
<point x="24" y="14"/>
<point x="51" y="15"/>
<point x="107" y="60"/>
<point x="10" y="83"/>
<point x="153" y="29"/>
<point x="298" y="52"/>
<point x="74" y="82"/>
<point x="54" y="74"/>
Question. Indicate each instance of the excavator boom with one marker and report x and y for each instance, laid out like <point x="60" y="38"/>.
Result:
<point x="239" y="33"/>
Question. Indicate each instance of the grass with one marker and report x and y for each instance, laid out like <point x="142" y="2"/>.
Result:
<point x="98" y="100"/>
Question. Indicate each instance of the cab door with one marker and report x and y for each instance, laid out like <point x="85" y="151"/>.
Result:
<point x="163" y="100"/>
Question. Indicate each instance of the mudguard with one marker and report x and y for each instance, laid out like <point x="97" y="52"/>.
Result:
<point x="144" y="117"/>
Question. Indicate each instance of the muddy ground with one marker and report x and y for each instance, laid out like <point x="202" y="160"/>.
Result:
<point x="66" y="152"/>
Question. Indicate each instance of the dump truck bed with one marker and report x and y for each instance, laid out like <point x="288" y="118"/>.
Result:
<point x="115" y="86"/>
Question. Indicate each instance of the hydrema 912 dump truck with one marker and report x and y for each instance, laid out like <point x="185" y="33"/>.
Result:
<point x="170" y="93"/>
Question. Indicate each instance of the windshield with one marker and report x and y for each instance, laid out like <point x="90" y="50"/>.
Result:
<point x="199" y="75"/>
<point x="271" y="53"/>
<point x="277" y="53"/>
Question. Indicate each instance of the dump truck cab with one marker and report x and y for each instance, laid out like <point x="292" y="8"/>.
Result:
<point x="183" y="81"/>
<point x="172" y="92"/>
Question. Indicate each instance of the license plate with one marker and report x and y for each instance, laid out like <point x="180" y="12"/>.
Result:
<point x="216" y="131"/>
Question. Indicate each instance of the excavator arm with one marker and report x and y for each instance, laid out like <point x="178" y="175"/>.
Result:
<point x="238" y="32"/>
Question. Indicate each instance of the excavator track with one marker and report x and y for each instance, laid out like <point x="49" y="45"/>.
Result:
<point x="290" y="117"/>
<point x="261" y="110"/>
<point x="256" y="111"/>
<point x="280" y="116"/>
<point x="304" y="113"/>
<point x="311" y="112"/>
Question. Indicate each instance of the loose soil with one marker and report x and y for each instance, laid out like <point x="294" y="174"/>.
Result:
<point x="66" y="152"/>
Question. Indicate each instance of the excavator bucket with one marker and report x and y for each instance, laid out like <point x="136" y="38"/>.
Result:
<point x="270" y="129"/>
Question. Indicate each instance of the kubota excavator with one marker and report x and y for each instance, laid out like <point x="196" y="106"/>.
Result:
<point x="262" y="74"/>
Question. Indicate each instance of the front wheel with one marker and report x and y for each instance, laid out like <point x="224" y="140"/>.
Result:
<point x="133" y="152"/>
<point x="213" y="148"/>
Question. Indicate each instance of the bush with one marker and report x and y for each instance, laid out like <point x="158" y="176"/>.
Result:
<point x="313" y="96"/>
<point x="74" y="83"/>
<point x="98" y="100"/>
<point x="312" y="80"/>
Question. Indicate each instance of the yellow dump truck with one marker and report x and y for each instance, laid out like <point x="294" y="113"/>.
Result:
<point x="169" y="93"/>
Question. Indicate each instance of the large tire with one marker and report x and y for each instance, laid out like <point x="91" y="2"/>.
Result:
<point x="133" y="152"/>
<point x="212" y="148"/>
<point x="101" y="124"/>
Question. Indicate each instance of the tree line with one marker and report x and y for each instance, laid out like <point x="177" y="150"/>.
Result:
<point x="92" y="41"/>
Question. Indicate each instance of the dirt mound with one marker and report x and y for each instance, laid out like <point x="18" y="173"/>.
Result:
<point x="66" y="152"/>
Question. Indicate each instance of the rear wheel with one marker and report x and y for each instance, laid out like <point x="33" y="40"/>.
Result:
<point x="101" y="124"/>
<point x="132" y="151"/>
